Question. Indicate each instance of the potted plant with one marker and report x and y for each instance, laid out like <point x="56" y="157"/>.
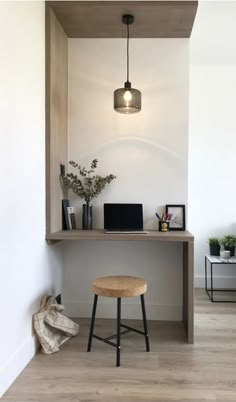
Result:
<point x="229" y="243"/>
<point x="214" y="246"/>
<point x="87" y="187"/>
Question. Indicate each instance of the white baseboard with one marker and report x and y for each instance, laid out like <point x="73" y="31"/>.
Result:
<point x="218" y="281"/>
<point x="17" y="362"/>
<point x="128" y="310"/>
<point x="199" y="281"/>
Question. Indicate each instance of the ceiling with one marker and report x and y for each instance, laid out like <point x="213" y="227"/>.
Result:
<point x="103" y="19"/>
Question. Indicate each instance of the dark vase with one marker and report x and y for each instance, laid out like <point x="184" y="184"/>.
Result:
<point x="231" y="249"/>
<point x="87" y="216"/>
<point x="214" y="249"/>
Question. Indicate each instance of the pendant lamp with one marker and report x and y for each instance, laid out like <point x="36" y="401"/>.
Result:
<point x="127" y="100"/>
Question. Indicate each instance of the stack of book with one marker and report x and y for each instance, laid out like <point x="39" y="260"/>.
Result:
<point x="68" y="216"/>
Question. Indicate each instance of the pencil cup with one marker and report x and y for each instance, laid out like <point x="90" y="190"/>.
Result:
<point x="163" y="226"/>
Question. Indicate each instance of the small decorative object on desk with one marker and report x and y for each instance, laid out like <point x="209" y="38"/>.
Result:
<point x="71" y="217"/>
<point x="163" y="226"/>
<point x="229" y="243"/>
<point x="87" y="187"/>
<point x="164" y="221"/>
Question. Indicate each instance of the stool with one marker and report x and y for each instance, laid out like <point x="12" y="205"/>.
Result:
<point x="118" y="287"/>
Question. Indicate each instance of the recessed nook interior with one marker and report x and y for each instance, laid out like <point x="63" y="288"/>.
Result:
<point x="95" y="19"/>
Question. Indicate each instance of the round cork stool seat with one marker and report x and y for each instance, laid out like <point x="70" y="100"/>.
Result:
<point x="119" y="286"/>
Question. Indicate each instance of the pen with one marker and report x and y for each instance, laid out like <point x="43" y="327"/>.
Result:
<point x="158" y="217"/>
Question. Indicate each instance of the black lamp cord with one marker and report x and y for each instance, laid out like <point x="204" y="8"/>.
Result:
<point x="127" y="52"/>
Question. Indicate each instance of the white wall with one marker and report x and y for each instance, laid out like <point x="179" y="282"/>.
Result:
<point x="147" y="152"/>
<point x="212" y="129"/>
<point x="29" y="268"/>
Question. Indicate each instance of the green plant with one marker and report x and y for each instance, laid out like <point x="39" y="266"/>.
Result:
<point x="228" y="241"/>
<point x="89" y="185"/>
<point x="213" y="241"/>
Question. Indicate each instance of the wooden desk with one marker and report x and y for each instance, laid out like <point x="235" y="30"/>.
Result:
<point x="185" y="237"/>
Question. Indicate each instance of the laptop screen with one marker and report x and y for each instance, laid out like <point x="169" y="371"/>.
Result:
<point x="123" y="217"/>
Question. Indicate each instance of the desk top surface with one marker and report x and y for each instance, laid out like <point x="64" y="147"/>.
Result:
<point x="98" y="234"/>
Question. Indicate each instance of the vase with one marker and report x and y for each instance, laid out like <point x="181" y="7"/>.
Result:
<point x="87" y="217"/>
<point x="231" y="249"/>
<point x="214" y="249"/>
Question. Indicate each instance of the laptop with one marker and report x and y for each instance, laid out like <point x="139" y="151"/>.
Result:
<point x="123" y="218"/>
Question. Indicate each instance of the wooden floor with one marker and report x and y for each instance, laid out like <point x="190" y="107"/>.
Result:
<point x="172" y="371"/>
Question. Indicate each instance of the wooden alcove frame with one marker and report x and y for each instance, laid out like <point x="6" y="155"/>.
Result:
<point x="102" y="19"/>
<point x="92" y="19"/>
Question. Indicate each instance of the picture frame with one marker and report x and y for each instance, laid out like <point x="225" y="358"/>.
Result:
<point x="177" y="221"/>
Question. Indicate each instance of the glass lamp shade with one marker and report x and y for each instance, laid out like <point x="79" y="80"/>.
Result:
<point x="127" y="100"/>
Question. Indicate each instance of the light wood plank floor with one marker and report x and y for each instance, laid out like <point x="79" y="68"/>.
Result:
<point x="172" y="371"/>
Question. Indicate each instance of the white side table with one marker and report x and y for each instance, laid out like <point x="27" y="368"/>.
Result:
<point x="214" y="260"/>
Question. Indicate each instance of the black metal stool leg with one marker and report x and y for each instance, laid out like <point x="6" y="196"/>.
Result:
<point x="92" y="323"/>
<point x="145" y="323"/>
<point x="118" y="332"/>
